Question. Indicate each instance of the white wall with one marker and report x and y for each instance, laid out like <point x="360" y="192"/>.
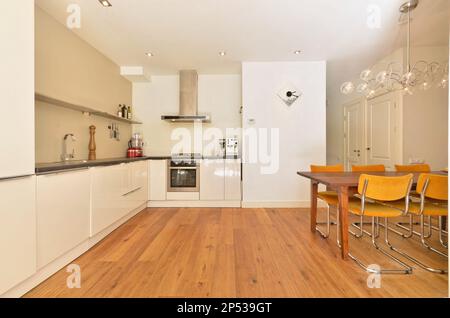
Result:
<point x="302" y="129"/>
<point x="219" y="96"/>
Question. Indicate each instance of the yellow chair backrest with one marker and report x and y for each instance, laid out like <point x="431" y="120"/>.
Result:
<point x="370" y="168"/>
<point x="413" y="168"/>
<point x="385" y="188"/>
<point x="437" y="186"/>
<point x="336" y="168"/>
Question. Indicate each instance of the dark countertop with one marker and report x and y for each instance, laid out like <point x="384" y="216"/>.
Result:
<point x="43" y="168"/>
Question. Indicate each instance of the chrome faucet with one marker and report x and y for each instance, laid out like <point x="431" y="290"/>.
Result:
<point x="66" y="156"/>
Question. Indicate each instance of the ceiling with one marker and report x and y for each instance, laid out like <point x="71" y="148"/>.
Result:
<point x="189" y="34"/>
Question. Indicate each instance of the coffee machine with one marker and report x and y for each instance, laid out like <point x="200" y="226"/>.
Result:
<point x="135" y="146"/>
<point x="232" y="147"/>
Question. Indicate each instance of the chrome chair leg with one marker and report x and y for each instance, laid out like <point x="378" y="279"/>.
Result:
<point x="327" y="233"/>
<point x="416" y="261"/>
<point x="411" y="229"/>
<point x="423" y="237"/>
<point x="375" y="228"/>
<point x="441" y="230"/>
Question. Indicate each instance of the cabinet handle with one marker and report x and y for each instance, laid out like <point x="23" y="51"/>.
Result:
<point x="132" y="191"/>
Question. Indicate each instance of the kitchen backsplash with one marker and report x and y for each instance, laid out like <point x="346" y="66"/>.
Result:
<point x="53" y="122"/>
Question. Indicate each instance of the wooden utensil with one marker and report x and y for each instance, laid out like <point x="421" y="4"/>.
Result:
<point x="92" y="145"/>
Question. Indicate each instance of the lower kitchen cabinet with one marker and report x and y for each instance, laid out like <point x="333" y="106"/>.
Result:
<point x="220" y="180"/>
<point x="212" y="183"/>
<point x="233" y="189"/>
<point x="109" y="184"/>
<point x="117" y="191"/>
<point x="17" y="231"/>
<point x="63" y="213"/>
<point x="157" y="185"/>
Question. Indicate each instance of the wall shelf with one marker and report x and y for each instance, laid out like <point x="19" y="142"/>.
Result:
<point x="83" y="109"/>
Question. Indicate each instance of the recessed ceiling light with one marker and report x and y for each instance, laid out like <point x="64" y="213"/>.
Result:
<point x="105" y="3"/>
<point x="222" y="53"/>
<point x="150" y="54"/>
<point x="298" y="52"/>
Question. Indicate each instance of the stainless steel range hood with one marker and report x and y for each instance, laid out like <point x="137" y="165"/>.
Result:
<point x="188" y="100"/>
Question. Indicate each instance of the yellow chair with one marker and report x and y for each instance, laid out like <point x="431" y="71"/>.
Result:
<point x="433" y="191"/>
<point x="329" y="197"/>
<point x="382" y="189"/>
<point x="413" y="168"/>
<point x="370" y="168"/>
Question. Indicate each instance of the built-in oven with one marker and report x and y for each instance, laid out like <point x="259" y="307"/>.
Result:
<point x="183" y="175"/>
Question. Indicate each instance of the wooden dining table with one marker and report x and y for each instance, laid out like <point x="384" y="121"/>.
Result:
<point x="345" y="184"/>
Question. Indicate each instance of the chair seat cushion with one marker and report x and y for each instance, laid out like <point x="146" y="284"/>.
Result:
<point x="431" y="208"/>
<point x="374" y="209"/>
<point x="330" y="197"/>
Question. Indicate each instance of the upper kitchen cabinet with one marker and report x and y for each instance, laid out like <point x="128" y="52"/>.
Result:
<point x="17" y="88"/>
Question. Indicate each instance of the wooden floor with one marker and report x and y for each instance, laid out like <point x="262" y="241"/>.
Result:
<point x="234" y="253"/>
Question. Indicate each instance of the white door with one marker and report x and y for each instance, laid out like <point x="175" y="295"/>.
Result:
<point x="354" y="133"/>
<point x="383" y="144"/>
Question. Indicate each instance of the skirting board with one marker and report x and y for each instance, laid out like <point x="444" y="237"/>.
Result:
<point x="64" y="260"/>
<point x="281" y="204"/>
<point x="194" y="204"/>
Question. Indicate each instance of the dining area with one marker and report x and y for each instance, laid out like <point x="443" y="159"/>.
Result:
<point x="397" y="218"/>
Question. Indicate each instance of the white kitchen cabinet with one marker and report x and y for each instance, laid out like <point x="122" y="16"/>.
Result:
<point x="17" y="231"/>
<point x="220" y="180"/>
<point x="63" y="213"/>
<point x="117" y="191"/>
<point x="109" y="185"/>
<point x="157" y="186"/>
<point x="232" y="174"/>
<point x="212" y="183"/>
<point x="17" y="89"/>
<point x="137" y="193"/>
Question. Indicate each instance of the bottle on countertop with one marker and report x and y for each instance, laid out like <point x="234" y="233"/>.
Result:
<point x="130" y="113"/>
<point x="124" y="111"/>
<point x="119" y="111"/>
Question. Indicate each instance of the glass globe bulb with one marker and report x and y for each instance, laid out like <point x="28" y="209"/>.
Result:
<point x="371" y="93"/>
<point x="381" y="77"/>
<point x="365" y="75"/>
<point x="362" y="87"/>
<point x="408" y="78"/>
<point x="347" y="88"/>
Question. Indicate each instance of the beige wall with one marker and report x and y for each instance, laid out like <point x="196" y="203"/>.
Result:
<point x="218" y="95"/>
<point x="424" y="121"/>
<point x="69" y="69"/>
<point x="425" y="118"/>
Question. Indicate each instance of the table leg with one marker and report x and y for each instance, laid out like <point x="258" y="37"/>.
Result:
<point x="314" y="191"/>
<point x="343" y="220"/>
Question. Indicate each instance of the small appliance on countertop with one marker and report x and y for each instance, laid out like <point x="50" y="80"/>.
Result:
<point x="135" y="147"/>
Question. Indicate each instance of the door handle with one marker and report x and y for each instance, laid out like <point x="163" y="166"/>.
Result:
<point x="368" y="148"/>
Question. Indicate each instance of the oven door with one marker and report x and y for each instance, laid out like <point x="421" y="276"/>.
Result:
<point x="183" y="179"/>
